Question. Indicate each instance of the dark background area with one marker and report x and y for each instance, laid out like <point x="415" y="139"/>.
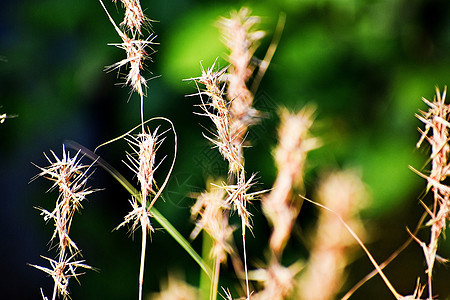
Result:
<point x="364" y="64"/>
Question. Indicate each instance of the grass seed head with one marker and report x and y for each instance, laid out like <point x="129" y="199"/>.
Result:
<point x="61" y="272"/>
<point x="134" y="48"/>
<point x="209" y="212"/>
<point x="436" y="133"/>
<point x="241" y="39"/>
<point x="142" y="159"/>
<point x="134" y="16"/>
<point x="278" y="281"/>
<point x="69" y="176"/>
<point x="343" y="193"/>
<point x="280" y="206"/>
<point x="217" y="109"/>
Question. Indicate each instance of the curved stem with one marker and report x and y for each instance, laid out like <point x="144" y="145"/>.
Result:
<point x="155" y="213"/>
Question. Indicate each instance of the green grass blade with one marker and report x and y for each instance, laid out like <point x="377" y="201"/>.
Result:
<point x="180" y="239"/>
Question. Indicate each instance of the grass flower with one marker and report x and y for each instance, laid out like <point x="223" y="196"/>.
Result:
<point x="436" y="133"/>
<point x="61" y="272"/>
<point x="280" y="206"/>
<point x="238" y="197"/>
<point x="136" y="54"/>
<point x="175" y="288"/>
<point x="134" y="16"/>
<point x="278" y="281"/>
<point x="217" y="109"/>
<point x="343" y="193"/>
<point x="241" y="40"/>
<point x="69" y="176"/>
<point x="142" y="162"/>
<point x="209" y="213"/>
<point x="233" y="117"/>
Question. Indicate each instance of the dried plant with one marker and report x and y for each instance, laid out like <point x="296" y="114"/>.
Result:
<point x="242" y="40"/>
<point x="233" y="116"/>
<point x="278" y="281"/>
<point x="209" y="213"/>
<point x="217" y="109"/>
<point x="142" y="161"/>
<point x="227" y="100"/>
<point x="436" y="133"/>
<point x="175" y="288"/>
<point x="134" y="16"/>
<point x="134" y="47"/>
<point x="69" y="176"/>
<point x="280" y="206"/>
<point x="344" y="193"/>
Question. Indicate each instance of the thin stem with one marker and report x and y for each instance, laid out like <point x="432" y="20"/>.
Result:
<point x="387" y="261"/>
<point x="143" y="248"/>
<point x="270" y="52"/>
<point x="142" y="112"/>
<point x="215" y="281"/>
<point x="245" y="259"/>
<point x="430" y="289"/>
<point x="361" y="244"/>
<point x="55" y="289"/>
<point x="206" y="279"/>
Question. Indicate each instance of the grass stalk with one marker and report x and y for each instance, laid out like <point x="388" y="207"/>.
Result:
<point x="215" y="279"/>
<point x="244" y="248"/>
<point x="174" y="233"/>
<point x="143" y="252"/>
<point x="205" y="280"/>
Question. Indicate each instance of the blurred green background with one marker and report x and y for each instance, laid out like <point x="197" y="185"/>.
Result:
<point x="364" y="64"/>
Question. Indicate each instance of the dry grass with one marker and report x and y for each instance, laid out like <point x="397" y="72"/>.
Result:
<point x="227" y="101"/>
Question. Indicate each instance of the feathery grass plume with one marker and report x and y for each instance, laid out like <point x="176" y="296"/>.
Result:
<point x="242" y="41"/>
<point x="61" y="271"/>
<point x="142" y="162"/>
<point x="134" y="16"/>
<point x="175" y="288"/>
<point x="238" y="197"/>
<point x="436" y="133"/>
<point x="136" y="54"/>
<point x="232" y="118"/>
<point x="69" y="176"/>
<point x="134" y="47"/>
<point x="217" y="109"/>
<point x="343" y="193"/>
<point x="209" y="213"/>
<point x="280" y="206"/>
<point x="278" y="281"/>
<point x="3" y="117"/>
